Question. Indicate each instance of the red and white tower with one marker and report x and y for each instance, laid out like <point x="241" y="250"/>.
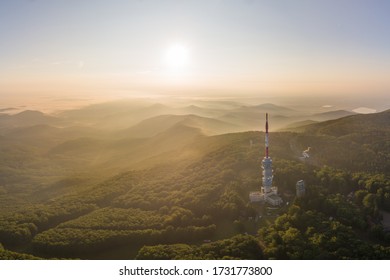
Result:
<point x="269" y="192"/>
<point x="267" y="164"/>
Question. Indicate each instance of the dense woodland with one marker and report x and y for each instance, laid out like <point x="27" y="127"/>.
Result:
<point x="71" y="192"/>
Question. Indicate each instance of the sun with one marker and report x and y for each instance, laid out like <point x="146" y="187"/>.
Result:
<point x="177" y="56"/>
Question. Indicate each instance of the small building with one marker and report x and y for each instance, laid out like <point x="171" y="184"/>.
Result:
<point x="274" y="200"/>
<point x="255" y="196"/>
<point x="300" y="188"/>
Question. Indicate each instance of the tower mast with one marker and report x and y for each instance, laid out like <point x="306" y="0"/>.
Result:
<point x="266" y="135"/>
<point x="267" y="166"/>
<point x="268" y="193"/>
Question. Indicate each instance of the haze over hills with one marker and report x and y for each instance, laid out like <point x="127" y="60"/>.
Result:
<point x="26" y="118"/>
<point x="155" y="125"/>
<point x="332" y="115"/>
<point x="126" y="113"/>
<point x="95" y="132"/>
<point x="91" y="173"/>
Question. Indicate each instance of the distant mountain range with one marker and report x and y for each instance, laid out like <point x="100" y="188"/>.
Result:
<point x="235" y="116"/>
<point x="155" y="125"/>
<point x="26" y="118"/>
<point x="101" y="135"/>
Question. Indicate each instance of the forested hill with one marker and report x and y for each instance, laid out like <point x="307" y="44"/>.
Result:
<point x="182" y="194"/>
<point x="361" y="124"/>
<point x="356" y="143"/>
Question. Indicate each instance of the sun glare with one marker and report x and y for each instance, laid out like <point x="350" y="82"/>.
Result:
<point x="177" y="57"/>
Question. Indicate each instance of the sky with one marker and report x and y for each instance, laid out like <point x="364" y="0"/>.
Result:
<point x="213" y="47"/>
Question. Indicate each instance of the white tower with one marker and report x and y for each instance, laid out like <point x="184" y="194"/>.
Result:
<point x="300" y="188"/>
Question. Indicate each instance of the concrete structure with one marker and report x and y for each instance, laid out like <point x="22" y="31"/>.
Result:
<point x="273" y="199"/>
<point x="256" y="196"/>
<point x="300" y="188"/>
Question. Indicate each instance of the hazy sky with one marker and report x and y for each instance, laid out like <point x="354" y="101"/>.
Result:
<point x="244" y="47"/>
